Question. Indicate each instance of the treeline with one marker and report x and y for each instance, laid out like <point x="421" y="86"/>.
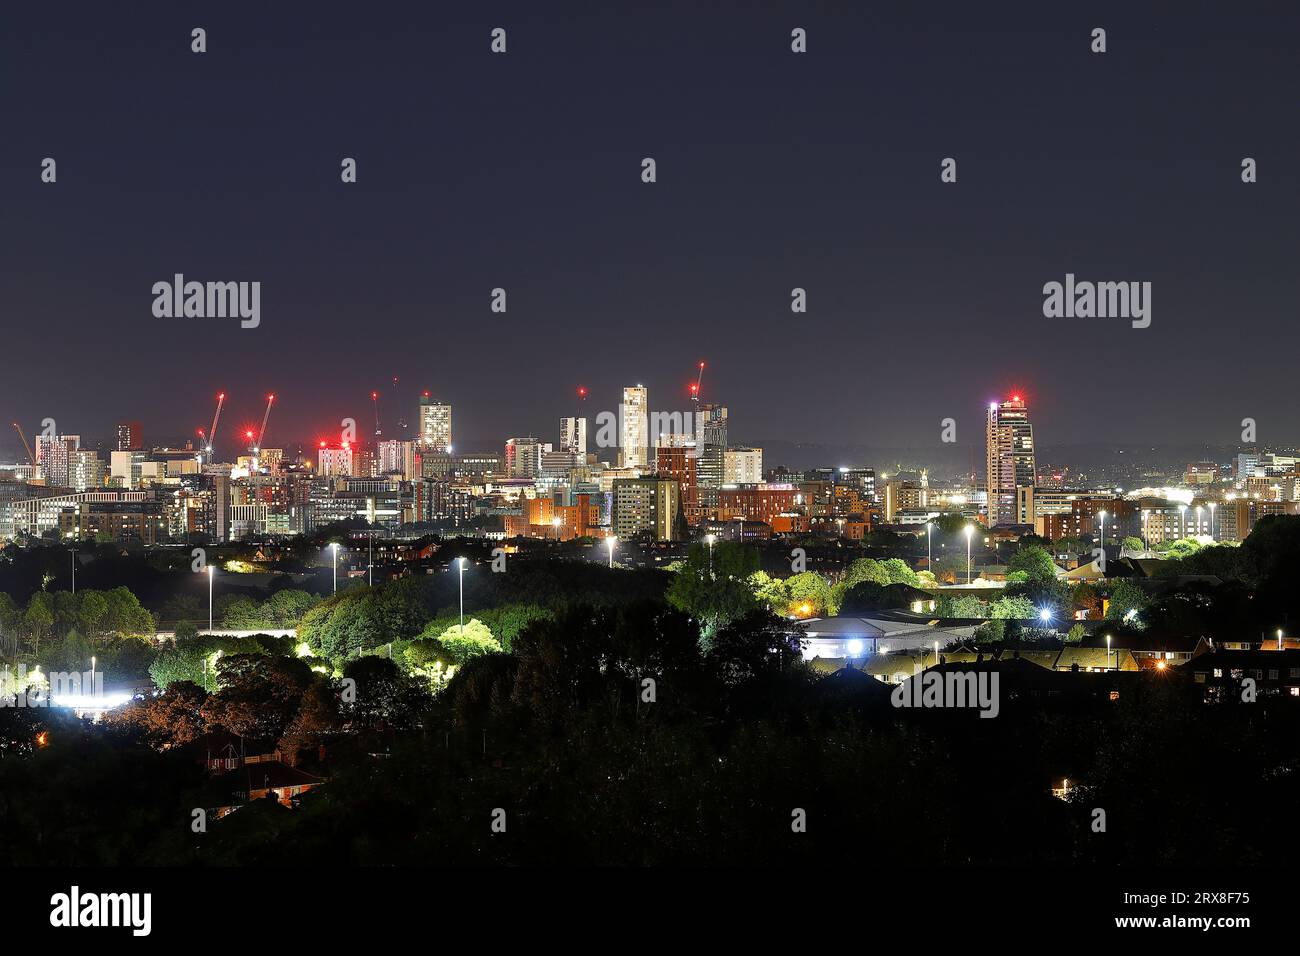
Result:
<point x="361" y="619"/>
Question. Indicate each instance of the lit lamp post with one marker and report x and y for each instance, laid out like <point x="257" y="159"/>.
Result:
<point x="929" y="557"/>
<point x="1107" y="652"/>
<point x="1182" y="517"/>
<point x="611" y="541"/>
<point x="970" y="530"/>
<point x="334" y="550"/>
<point x="710" y="538"/>
<point x="555" y="523"/>
<point x="1199" y="509"/>
<point x="1213" y="534"/>
<point x="92" y="674"/>
<point x="1279" y="638"/>
<point x="1144" y="530"/>
<point x="1102" y="515"/>
<point x="461" y="562"/>
<point x="210" y="570"/>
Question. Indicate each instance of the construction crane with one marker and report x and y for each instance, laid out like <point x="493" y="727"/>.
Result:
<point x="695" y="389"/>
<point x="397" y="403"/>
<point x="374" y="397"/>
<point x="30" y="457"/>
<point x="256" y="446"/>
<point x="212" y="432"/>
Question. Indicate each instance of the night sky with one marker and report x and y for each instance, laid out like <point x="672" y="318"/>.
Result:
<point x="775" y="170"/>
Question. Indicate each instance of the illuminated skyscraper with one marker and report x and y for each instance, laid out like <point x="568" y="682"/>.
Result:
<point x="435" y="424"/>
<point x="1009" y="440"/>
<point x="634" y="428"/>
<point x="573" y="437"/>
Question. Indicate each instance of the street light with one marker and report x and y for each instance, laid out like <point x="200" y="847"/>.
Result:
<point x="929" y="558"/>
<point x="1199" y="509"/>
<point x="1107" y="652"/>
<point x="461" y="562"/>
<point x="970" y="530"/>
<point x="555" y="523"/>
<point x="1182" y="515"/>
<point x="710" y="538"/>
<point x="210" y="570"/>
<point x="1213" y="535"/>
<point x="92" y="675"/>
<point x="334" y="550"/>
<point x="1145" y="546"/>
<point x="611" y="541"/>
<point x="1102" y="515"/>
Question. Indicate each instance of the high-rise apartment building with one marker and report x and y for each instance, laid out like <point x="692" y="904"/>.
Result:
<point x="634" y="428"/>
<point x="647" y="505"/>
<point x="711" y="451"/>
<point x="435" y="424"/>
<point x="573" y="437"/>
<point x="334" y="461"/>
<point x="1009" y="441"/>
<point x="397" y="457"/>
<point x="742" y="466"/>
<point x="55" y="456"/>
<point x="129" y="437"/>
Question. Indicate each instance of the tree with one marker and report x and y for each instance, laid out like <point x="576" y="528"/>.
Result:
<point x="1125" y="596"/>
<point x="38" y="619"/>
<point x="1036" y="562"/>
<point x="476" y="639"/>
<point x="810" y="595"/>
<point x="718" y="592"/>
<point x="259" y="694"/>
<point x="169" y="719"/>
<point x="899" y="572"/>
<point x="1133" y="544"/>
<point x="188" y="659"/>
<point x="967" y="606"/>
<point x="317" y="716"/>
<point x="770" y="592"/>
<point x="91" y="614"/>
<point x="867" y="569"/>
<point x="1012" y="608"/>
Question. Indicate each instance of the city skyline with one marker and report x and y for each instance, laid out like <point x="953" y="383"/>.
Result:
<point x="805" y="174"/>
